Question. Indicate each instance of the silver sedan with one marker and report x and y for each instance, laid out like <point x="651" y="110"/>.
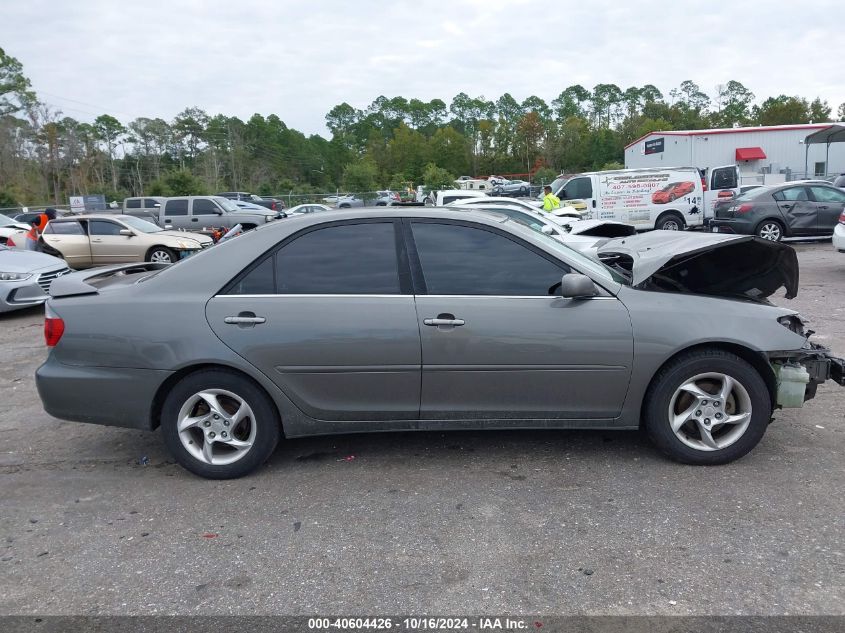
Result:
<point x="413" y="318"/>
<point x="25" y="277"/>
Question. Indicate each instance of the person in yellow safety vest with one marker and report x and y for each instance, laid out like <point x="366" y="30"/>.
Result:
<point x="550" y="200"/>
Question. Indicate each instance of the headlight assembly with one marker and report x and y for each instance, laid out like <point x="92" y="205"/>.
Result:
<point x="14" y="276"/>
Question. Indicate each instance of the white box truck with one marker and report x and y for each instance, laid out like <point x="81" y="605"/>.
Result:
<point x="671" y="199"/>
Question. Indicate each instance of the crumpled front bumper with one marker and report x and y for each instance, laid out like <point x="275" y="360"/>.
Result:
<point x="818" y="363"/>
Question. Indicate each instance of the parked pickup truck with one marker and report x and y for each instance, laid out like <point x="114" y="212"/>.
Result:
<point x="195" y="213"/>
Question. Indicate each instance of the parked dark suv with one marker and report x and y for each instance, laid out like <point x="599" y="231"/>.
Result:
<point x="789" y="210"/>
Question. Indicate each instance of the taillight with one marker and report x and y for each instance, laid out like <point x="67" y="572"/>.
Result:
<point x="10" y="242"/>
<point x="842" y="218"/>
<point x="744" y="208"/>
<point x="703" y="184"/>
<point x="54" y="327"/>
<point x="273" y="205"/>
<point x="725" y="193"/>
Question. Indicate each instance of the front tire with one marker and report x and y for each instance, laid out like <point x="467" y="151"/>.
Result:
<point x="161" y="255"/>
<point x="707" y="407"/>
<point x="219" y="425"/>
<point x="670" y="222"/>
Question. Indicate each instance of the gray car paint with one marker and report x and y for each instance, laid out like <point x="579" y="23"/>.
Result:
<point x="798" y="217"/>
<point x="135" y="339"/>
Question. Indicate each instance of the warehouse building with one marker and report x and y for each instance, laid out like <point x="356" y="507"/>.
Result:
<point x="764" y="154"/>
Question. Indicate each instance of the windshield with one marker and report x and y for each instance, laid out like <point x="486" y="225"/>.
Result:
<point x="141" y="225"/>
<point x="7" y="221"/>
<point x="556" y="184"/>
<point x="227" y="205"/>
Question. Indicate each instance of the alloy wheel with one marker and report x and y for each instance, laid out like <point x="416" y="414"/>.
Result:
<point x="216" y="426"/>
<point x="160" y="257"/>
<point x="710" y="411"/>
<point x="770" y="231"/>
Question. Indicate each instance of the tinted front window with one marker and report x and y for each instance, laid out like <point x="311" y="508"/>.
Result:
<point x="345" y="259"/>
<point x="176" y="207"/>
<point x="64" y="228"/>
<point x="461" y="260"/>
<point x="204" y="207"/>
<point x="578" y="189"/>
<point x="133" y="203"/>
<point x="103" y="227"/>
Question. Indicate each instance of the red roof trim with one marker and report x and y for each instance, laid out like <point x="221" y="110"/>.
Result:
<point x="739" y="130"/>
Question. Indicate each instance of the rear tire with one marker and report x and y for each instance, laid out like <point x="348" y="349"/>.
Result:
<point x="161" y="255"/>
<point x="206" y="406"/>
<point x="670" y="222"/>
<point x="771" y="230"/>
<point x="688" y="417"/>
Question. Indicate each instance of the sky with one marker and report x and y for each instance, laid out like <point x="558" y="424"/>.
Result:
<point x="299" y="59"/>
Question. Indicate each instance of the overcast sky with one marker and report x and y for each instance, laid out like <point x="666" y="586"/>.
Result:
<point x="299" y="59"/>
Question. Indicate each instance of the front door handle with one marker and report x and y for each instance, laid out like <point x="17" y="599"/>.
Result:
<point x="244" y="318"/>
<point x="444" y="319"/>
<point x="822" y="207"/>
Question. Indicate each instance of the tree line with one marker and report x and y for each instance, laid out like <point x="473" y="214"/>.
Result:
<point x="394" y="142"/>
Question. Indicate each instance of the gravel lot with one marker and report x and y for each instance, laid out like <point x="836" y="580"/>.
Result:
<point x="96" y="520"/>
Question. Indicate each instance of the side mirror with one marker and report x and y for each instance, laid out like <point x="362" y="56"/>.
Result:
<point x="219" y="211"/>
<point x="126" y="232"/>
<point x="547" y="230"/>
<point x="562" y="195"/>
<point x="577" y="286"/>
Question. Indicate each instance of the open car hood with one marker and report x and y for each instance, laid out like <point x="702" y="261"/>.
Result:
<point x="736" y="266"/>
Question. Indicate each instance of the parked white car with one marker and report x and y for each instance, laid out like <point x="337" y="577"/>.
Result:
<point x="584" y="236"/>
<point x="518" y="203"/>
<point x="8" y="227"/>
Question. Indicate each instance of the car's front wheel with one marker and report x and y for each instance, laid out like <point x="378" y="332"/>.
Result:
<point x="707" y="407"/>
<point x="219" y="425"/>
<point x="161" y="255"/>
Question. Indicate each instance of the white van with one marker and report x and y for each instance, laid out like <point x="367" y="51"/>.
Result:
<point x="671" y="199"/>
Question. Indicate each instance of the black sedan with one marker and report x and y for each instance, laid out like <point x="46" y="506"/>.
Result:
<point x="789" y="210"/>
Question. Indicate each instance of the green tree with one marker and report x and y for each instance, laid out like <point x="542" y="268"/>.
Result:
<point x="734" y="105"/>
<point x="435" y="177"/>
<point x="7" y="199"/>
<point x="544" y="176"/>
<point x="361" y="176"/>
<point x="182" y="183"/>
<point x="819" y="111"/>
<point x="408" y="151"/>
<point x="782" y="110"/>
<point x="109" y="130"/>
<point x="15" y="89"/>
<point x="448" y="149"/>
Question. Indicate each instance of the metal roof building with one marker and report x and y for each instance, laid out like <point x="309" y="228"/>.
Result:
<point x="780" y="150"/>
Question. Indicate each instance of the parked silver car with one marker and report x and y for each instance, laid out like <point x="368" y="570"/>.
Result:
<point x="25" y="277"/>
<point x="366" y="320"/>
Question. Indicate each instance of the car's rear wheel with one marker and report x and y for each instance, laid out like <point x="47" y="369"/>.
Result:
<point x="161" y="255"/>
<point x="707" y="407"/>
<point x="770" y="230"/>
<point x="219" y="425"/>
<point x="670" y="222"/>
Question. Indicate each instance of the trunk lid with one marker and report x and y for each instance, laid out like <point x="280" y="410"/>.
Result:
<point x="733" y="266"/>
<point x="89" y="282"/>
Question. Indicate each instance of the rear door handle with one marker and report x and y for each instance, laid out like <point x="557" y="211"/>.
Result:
<point x="444" y="319"/>
<point x="195" y="219"/>
<point x="822" y="207"/>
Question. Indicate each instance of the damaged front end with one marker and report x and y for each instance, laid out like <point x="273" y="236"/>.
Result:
<point x="800" y="372"/>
